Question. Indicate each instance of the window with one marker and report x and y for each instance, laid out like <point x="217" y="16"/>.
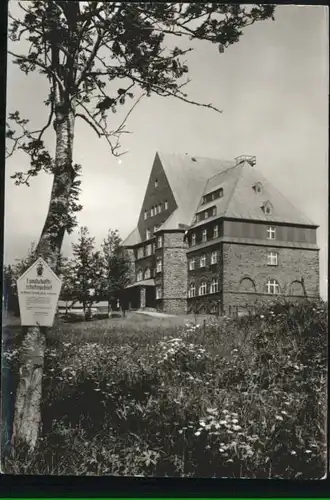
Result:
<point x="202" y="288"/>
<point x="159" y="292"/>
<point x="159" y="241"/>
<point x="166" y="205"/>
<point x="214" y="257"/>
<point x="139" y="275"/>
<point x="156" y="183"/>
<point x="148" y="234"/>
<point x="202" y="261"/>
<point x="147" y="274"/>
<point x="148" y="250"/>
<point x="214" y="286"/>
<point x="140" y="253"/>
<point x="191" y="264"/>
<point x="204" y="200"/>
<point x="257" y="187"/>
<point x="192" y="290"/>
<point x="216" y="231"/>
<point x="159" y="208"/>
<point x="145" y="214"/>
<point x="214" y="309"/>
<point x="220" y="193"/>
<point x="206" y="214"/>
<point x="159" y="265"/>
<point x="204" y="235"/>
<point x="273" y="287"/>
<point x="193" y="239"/>
<point x="272" y="258"/>
<point x="271" y="233"/>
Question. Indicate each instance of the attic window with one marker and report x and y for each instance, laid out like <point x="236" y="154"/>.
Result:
<point x="257" y="187"/>
<point x="267" y="208"/>
<point x="212" y="196"/>
<point x="156" y="183"/>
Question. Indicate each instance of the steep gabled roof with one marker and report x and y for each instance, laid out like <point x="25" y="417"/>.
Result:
<point x="245" y="203"/>
<point x="241" y="201"/>
<point x="187" y="176"/>
<point x="226" y="180"/>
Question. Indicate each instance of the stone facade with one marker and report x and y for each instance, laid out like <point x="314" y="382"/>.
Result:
<point x="174" y="300"/>
<point x="246" y="272"/>
<point x="261" y="245"/>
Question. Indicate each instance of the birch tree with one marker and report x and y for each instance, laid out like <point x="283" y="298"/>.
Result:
<point x="97" y="57"/>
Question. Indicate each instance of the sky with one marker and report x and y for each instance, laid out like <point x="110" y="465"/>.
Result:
<point x="272" y="88"/>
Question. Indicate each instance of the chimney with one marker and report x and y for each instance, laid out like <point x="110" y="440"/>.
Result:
<point x="251" y="160"/>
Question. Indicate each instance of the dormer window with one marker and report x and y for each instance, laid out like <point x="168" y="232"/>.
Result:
<point x="148" y="234"/>
<point x="156" y="183"/>
<point x="212" y="196"/>
<point x="204" y="235"/>
<point x="257" y="187"/>
<point x="145" y="214"/>
<point x="267" y="208"/>
<point x="166" y="205"/>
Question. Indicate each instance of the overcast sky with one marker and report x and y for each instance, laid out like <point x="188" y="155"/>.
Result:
<point x="273" y="89"/>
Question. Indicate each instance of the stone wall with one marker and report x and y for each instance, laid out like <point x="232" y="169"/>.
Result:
<point x="250" y="263"/>
<point x="174" y="273"/>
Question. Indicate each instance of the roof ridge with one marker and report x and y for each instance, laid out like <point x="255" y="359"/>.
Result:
<point x="223" y="171"/>
<point x="189" y="155"/>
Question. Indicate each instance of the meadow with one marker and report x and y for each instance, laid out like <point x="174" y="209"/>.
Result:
<point x="178" y="397"/>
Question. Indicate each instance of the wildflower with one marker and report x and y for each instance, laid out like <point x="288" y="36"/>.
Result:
<point x="308" y="451"/>
<point x="235" y="421"/>
<point x="237" y="427"/>
<point x="221" y="450"/>
<point x="262" y="316"/>
<point x="198" y="433"/>
<point x="284" y="412"/>
<point x="293" y="452"/>
<point x="278" y="417"/>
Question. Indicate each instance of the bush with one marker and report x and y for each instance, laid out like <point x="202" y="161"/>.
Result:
<point x="238" y="398"/>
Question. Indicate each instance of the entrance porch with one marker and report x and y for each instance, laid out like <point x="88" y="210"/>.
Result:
<point x="141" y="295"/>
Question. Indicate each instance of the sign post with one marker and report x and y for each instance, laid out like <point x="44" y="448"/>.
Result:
<point x="38" y="292"/>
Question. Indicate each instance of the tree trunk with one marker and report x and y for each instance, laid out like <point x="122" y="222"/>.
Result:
<point x="27" y="418"/>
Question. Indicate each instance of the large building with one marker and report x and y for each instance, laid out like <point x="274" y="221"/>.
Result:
<point x="215" y="236"/>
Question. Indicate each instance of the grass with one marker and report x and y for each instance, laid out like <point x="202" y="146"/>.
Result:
<point x="153" y="396"/>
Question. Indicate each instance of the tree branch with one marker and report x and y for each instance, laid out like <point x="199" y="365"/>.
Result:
<point x="47" y="69"/>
